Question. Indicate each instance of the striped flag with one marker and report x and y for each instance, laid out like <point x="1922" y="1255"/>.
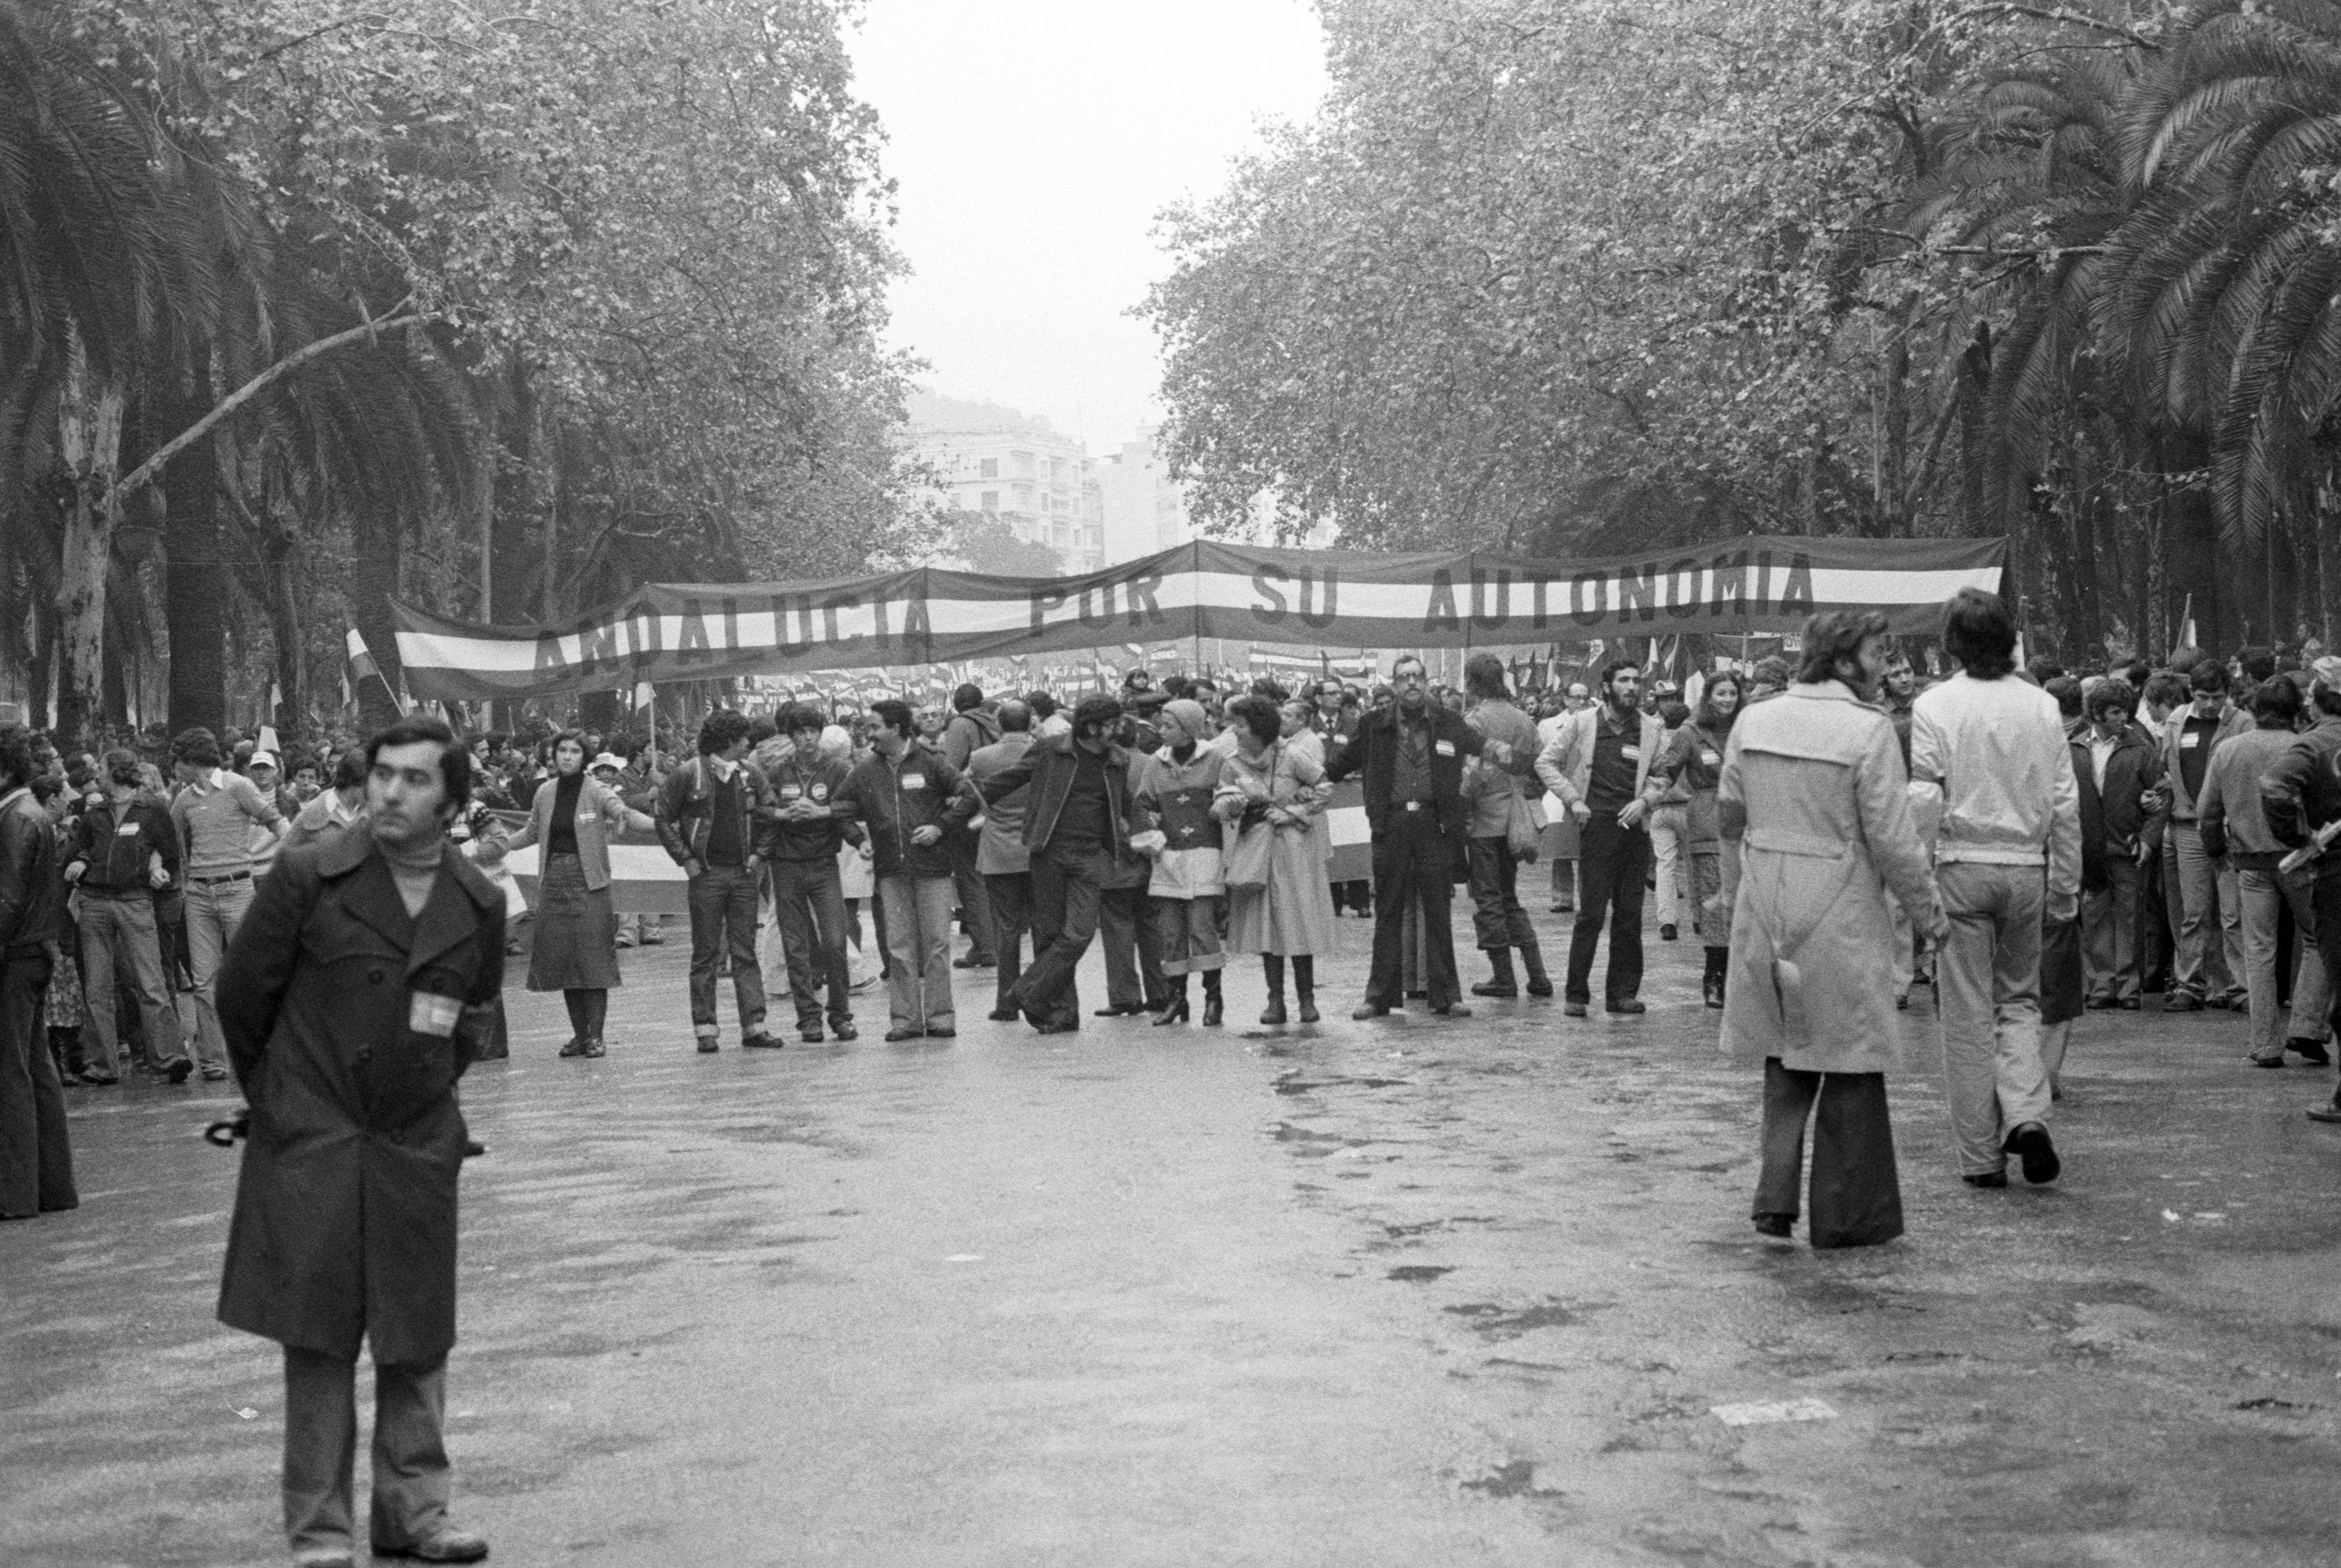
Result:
<point x="645" y="695"/>
<point x="361" y="661"/>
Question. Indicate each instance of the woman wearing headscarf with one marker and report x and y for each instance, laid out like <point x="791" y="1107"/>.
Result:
<point x="1269" y="783"/>
<point x="1175" y="792"/>
<point x="1694" y="760"/>
<point x="576" y="951"/>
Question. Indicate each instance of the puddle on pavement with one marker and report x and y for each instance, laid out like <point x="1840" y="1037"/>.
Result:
<point x="1516" y="1479"/>
<point x="1493" y="1320"/>
<point x="1420" y="1273"/>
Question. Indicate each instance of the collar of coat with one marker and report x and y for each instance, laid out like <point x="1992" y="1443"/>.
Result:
<point x="361" y="877"/>
<point x="1117" y="755"/>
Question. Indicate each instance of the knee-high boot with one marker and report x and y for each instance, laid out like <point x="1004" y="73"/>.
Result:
<point x="1304" y="985"/>
<point x="1532" y="964"/>
<point x="1215" y="1006"/>
<point x="1272" y="965"/>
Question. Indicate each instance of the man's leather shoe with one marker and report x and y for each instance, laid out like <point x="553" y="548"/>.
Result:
<point x="1493" y="988"/>
<point x="1051" y="1026"/>
<point x="845" y="1030"/>
<point x="2324" y="1113"/>
<point x="2308" y="1051"/>
<point x="1453" y="1010"/>
<point x="1666" y="933"/>
<point x="1627" y="1004"/>
<point x="764" y="1041"/>
<point x="1985" y="1179"/>
<point x="2275" y="1061"/>
<point x="1774" y="1223"/>
<point x="1574" y="1009"/>
<point x="1120" y="1010"/>
<point x="1370" y="1010"/>
<point x="1004" y="1014"/>
<point x="811" y="1037"/>
<point x="178" y="1068"/>
<point x="2182" y="1003"/>
<point x="439" y="1546"/>
<point x="2131" y="1004"/>
<point x="2030" y="1142"/>
<point x="707" y="1043"/>
<point x="895" y="1036"/>
<point x="99" y="1077"/>
<point x="942" y="1034"/>
<point x="973" y="961"/>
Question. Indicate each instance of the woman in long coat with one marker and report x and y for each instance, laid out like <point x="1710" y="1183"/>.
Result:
<point x="1269" y="782"/>
<point x="575" y="950"/>
<point x="1814" y="790"/>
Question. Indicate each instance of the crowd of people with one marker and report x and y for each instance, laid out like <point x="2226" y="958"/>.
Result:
<point x="2030" y="843"/>
<point x="1184" y="825"/>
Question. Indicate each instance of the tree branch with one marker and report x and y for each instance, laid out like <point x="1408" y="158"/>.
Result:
<point x="138" y="478"/>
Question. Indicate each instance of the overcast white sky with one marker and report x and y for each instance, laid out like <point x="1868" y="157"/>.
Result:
<point x="1034" y="141"/>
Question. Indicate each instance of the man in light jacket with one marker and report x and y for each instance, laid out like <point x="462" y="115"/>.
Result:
<point x="1993" y="749"/>
<point x="1811" y="794"/>
<point x="1598" y="764"/>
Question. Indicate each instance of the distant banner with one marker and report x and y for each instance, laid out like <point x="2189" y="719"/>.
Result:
<point x="700" y="631"/>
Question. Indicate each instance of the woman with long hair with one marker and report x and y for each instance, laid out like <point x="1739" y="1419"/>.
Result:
<point x="576" y="951"/>
<point x="1270" y="784"/>
<point x="1694" y="760"/>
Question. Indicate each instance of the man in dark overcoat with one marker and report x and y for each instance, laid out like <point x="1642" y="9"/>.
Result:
<point x="1410" y="757"/>
<point x="352" y="997"/>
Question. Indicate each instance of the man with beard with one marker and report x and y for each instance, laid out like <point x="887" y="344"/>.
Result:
<point x="1598" y="764"/>
<point x="1410" y="755"/>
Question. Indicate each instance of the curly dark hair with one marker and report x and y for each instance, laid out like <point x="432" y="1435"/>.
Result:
<point x="1836" y="634"/>
<point x="1483" y="676"/>
<point x="1258" y="715"/>
<point x="720" y="730"/>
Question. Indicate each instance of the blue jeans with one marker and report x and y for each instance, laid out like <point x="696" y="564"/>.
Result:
<point x="724" y="915"/>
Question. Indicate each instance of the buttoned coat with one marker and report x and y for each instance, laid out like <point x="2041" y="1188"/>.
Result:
<point x="1372" y="754"/>
<point x="345" y="1221"/>
<point x="1814" y="790"/>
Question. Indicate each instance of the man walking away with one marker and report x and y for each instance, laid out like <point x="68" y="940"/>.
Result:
<point x="908" y="797"/>
<point x="354" y="996"/>
<point x="1498" y="919"/>
<point x="715" y="818"/>
<point x="1994" y="748"/>
<point x="1598" y="764"/>
<point x="215" y="813"/>
<point x="1411" y="756"/>
<point x="808" y="894"/>
<point x="123" y="852"/>
<point x="1001" y="857"/>
<point x="973" y="727"/>
<point x="1811" y="795"/>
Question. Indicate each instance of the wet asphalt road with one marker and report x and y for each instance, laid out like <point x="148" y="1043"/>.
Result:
<point x="1409" y="1292"/>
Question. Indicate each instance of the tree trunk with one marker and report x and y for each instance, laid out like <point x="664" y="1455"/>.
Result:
<point x="372" y="586"/>
<point x="196" y="591"/>
<point x="284" y="621"/>
<point x="89" y="441"/>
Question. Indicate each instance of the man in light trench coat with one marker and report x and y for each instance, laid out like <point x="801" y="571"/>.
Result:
<point x="353" y="995"/>
<point x="1814" y="791"/>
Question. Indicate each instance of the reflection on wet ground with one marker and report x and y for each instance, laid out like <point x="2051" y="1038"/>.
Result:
<point x="1406" y="1291"/>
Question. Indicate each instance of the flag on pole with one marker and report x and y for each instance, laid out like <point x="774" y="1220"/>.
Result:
<point x="275" y="700"/>
<point x="645" y="695"/>
<point x="361" y="661"/>
<point x="2186" y="628"/>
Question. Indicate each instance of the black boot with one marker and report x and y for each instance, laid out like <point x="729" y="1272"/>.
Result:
<point x="1501" y="983"/>
<point x="1719" y="962"/>
<point x="1304" y="985"/>
<point x="1215" y="1006"/>
<point x="1174" y="1008"/>
<point x="1272" y="965"/>
<point x="1532" y="963"/>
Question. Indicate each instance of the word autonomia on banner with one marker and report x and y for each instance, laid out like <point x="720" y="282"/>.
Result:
<point x="685" y="631"/>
